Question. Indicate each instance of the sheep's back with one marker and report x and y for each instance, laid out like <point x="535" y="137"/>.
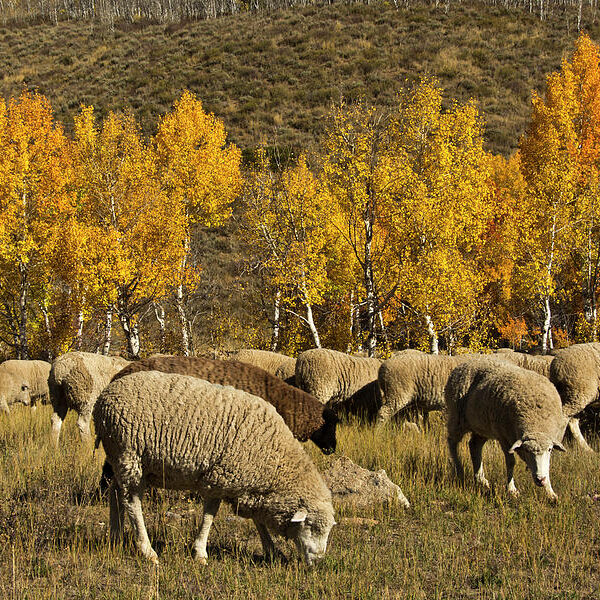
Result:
<point x="302" y="413"/>
<point x="575" y="371"/>
<point x="332" y="376"/>
<point x="183" y="428"/>
<point x="78" y="377"/>
<point x="500" y="398"/>
<point x="277" y="364"/>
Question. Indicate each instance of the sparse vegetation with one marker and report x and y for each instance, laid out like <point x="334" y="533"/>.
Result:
<point x="453" y="543"/>
<point x="274" y="75"/>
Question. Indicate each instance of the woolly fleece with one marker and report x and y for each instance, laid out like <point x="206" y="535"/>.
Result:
<point x="280" y="365"/>
<point x="179" y="432"/>
<point x="334" y="377"/>
<point x="76" y="379"/>
<point x="34" y="372"/>
<point x="502" y="401"/>
<point x="415" y="380"/>
<point x="306" y="417"/>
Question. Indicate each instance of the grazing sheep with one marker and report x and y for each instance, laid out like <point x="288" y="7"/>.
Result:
<point x="13" y="390"/>
<point x="338" y="379"/>
<point x="76" y="379"/>
<point x="537" y="363"/>
<point x="34" y="372"/>
<point x="179" y="432"/>
<point x="415" y="381"/>
<point x="280" y="365"/>
<point x="306" y="417"/>
<point x="575" y="371"/>
<point x="519" y="408"/>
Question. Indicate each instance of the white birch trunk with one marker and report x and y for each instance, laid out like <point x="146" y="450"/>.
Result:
<point x="546" y="341"/>
<point x="107" y="331"/>
<point x="350" y="323"/>
<point x="433" y="336"/>
<point x="183" y="321"/>
<point x="276" y="322"/>
<point x="159" y="313"/>
<point x="369" y="288"/>
<point x="23" y="348"/>
<point x="79" y="330"/>
<point x="132" y="335"/>
<point x="309" y="314"/>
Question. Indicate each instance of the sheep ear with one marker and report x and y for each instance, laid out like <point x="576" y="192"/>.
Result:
<point x="559" y="446"/>
<point x="299" y="516"/>
<point x="516" y="445"/>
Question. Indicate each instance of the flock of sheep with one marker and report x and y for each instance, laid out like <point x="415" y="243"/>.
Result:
<point x="231" y="429"/>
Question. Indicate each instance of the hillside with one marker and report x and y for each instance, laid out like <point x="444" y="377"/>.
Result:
<point x="274" y="75"/>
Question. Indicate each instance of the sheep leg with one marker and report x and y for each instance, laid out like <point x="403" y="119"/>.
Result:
<point x="476" y="444"/>
<point x="577" y="435"/>
<point x="385" y="413"/>
<point x="83" y="424"/>
<point x="4" y="406"/>
<point x="133" y="506"/>
<point x="117" y="512"/>
<point x="510" y="469"/>
<point x="269" y="548"/>
<point x="453" y="448"/>
<point x="58" y="416"/>
<point x="211" y="506"/>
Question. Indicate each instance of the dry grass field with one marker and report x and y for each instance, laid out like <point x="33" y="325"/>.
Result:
<point x="274" y="75"/>
<point x="452" y="543"/>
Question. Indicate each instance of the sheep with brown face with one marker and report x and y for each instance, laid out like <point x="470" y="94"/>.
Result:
<point x="519" y="408"/>
<point x="180" y="432"/>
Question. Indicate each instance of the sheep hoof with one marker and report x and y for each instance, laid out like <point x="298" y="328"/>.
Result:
<point x="200" y="558"/>
<point x="483" y="482"/>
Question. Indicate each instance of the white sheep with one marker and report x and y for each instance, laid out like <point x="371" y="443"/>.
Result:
<point x="575" y="371"/>
<point x="76" y="379"/>
<point x="336" y="378"/>
<point x="415" y="381"/>
<point x="34" y="373"/>
<point x="537" y="363"/>
<point x="179" y="432"/>
<point x="277" y="364"/>
<point x="13" y="390"/>
<point x="519" y="408"/>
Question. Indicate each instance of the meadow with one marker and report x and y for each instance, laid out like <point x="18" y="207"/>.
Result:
<point x="454" y="542"/>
